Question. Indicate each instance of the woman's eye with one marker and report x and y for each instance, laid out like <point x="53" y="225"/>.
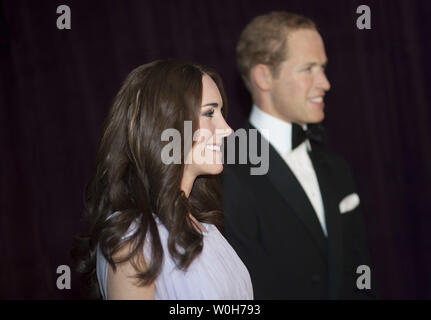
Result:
<point x="209" y="113"/>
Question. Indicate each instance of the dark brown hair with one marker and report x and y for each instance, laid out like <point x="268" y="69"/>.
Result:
<point x="131" y="178"/>
<point x="263" y="41"/>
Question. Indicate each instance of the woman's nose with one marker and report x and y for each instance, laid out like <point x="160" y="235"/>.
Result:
<point x="225" y="130"/>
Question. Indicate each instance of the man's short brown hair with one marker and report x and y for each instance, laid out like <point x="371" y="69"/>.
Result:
<point x="263" y="41"/>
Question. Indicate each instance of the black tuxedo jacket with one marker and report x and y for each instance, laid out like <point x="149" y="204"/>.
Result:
<point x="273" y="227"/>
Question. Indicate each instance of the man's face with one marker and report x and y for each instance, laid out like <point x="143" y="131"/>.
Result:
<point x="297" y="92"/>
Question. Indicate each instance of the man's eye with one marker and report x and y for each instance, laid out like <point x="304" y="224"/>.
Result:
<point x="209" y="113"/>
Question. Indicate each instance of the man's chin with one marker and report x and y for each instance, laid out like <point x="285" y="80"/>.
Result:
<point x="317" y="117"/>
<point x="314" y="120"/>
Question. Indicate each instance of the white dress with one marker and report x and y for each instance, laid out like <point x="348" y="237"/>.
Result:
<point x="216" y="274"/>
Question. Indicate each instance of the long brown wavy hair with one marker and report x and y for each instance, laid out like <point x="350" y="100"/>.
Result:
<point x="131" y="178"/>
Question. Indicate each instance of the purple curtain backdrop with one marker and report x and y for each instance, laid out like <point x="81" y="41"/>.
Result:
<point x="57" y="86"/>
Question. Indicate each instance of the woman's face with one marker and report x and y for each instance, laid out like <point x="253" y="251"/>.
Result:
<point x="206" y="156"/>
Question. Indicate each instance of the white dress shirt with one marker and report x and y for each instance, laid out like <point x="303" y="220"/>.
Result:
<point x="279" y="134"/>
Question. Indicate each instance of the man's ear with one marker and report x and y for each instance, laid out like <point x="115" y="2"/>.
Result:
<point x="261" y="77"/>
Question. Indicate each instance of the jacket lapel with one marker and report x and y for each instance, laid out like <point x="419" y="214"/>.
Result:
<point x="286" y="183"/>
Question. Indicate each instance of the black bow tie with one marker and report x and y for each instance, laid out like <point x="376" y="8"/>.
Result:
<point x="314" y="132"/>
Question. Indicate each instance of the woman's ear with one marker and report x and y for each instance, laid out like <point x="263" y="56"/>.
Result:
<point x="261" y="77"/>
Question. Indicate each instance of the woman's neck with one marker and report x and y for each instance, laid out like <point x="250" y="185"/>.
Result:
<point x="187" y="184"/>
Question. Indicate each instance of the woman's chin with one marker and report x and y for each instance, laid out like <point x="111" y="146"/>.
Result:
<point x="214" y="169"/>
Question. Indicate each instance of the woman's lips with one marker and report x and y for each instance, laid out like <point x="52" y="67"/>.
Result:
<point x="213" y="147"/>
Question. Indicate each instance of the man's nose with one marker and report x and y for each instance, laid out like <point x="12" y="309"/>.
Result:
<point x="323" y="82"/>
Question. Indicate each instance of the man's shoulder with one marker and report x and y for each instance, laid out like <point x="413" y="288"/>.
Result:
<point x="238" y="171"/>
<point x="331" y="155"/>
<point x="339" y="167"/>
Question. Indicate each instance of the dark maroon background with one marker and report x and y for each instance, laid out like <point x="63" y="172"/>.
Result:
<point x="57" y="86"/>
